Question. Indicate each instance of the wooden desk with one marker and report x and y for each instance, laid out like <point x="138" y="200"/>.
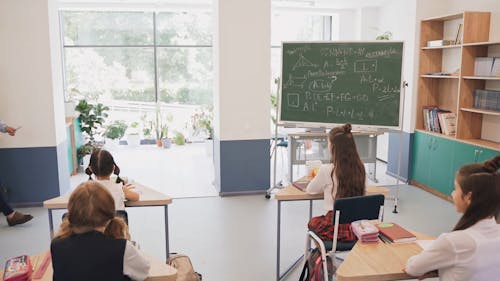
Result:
<point x="291" y="193"/>
<point x="159" y="270"/>
<point x="378" y="261"/>
<point x="148" y="198"/>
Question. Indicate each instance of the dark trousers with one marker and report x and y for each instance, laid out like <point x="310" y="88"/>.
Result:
<point x="4" y="207"/>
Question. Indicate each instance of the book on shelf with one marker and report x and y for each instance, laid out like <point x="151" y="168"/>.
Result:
<point x="487" y="66"/>
<point x="439" y="43"/>
<point x="448" y="123"/>
<point x="487" y="99"/>
<point x="395" y="233"/>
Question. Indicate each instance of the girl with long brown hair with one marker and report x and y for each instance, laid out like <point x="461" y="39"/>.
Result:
<point x="92" y="242"/>
<point x="472" y="250"/>
<point x="344" y="176"/>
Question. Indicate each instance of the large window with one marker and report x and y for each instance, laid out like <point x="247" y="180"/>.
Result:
<point x="116" y="57"/>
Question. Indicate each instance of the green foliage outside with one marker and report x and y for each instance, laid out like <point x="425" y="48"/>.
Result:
<point x="116" y="130"/>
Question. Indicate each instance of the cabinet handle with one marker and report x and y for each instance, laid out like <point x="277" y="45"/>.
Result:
<point x="476" y="151"/>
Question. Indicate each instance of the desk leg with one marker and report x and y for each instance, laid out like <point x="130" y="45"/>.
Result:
<point x="278" y="242"/>
<point x="51" y="224"/>
<point x="310" y="209"/>
<point x="166" y="232"/>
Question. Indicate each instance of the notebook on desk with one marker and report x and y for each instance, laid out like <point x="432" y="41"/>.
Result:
<point x="301" y="184"/>
<point x="395" y="233"/>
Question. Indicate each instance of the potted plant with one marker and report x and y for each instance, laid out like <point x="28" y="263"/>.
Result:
<point x="133" y="138"/>
<point x="116" y="130"/>
<point x="91" y="118"/>
<point x="179" y="138"/>
<point x="161" y="126"/>
<point x="201" y="122"/>
<point x="147" y="130"/>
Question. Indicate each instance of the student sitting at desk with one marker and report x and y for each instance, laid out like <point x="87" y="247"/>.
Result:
<point x="102" y="165"/>
<point x="91" y="243"/>
<point x="343" y="177"/>
<point x="472" y="250"/>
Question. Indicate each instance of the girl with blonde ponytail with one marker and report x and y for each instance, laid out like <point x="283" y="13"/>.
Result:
<point x="92" y="243"/>
<point x="472" y="250"/>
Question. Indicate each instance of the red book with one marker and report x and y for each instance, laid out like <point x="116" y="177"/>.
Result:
<point x="396" y="233"/>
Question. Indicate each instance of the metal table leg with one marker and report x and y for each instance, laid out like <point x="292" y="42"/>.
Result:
<point x="51" y="224"/>
<point x="166" y="232"/>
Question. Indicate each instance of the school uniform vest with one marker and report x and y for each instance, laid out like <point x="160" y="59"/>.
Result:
<point x="89" y="256"/>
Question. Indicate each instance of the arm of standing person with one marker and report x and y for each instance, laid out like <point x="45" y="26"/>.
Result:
<point x="135" y="265"/>
<point x="320" y="181"/>
<point x="6" y="129"/>
<point x="130" y="194"/>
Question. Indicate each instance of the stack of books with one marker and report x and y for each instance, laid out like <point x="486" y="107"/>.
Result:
<point x="487" y="99"/>
<point x="438" y="43"/>
<point x="365" y="231"/>
<point x="393" y="233"/>
<point x="439" y="120"/>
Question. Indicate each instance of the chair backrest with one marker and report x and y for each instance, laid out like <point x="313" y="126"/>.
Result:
<point x="358" y="208"/>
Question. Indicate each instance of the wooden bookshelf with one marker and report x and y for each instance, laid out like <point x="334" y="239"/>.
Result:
<point x="455" y="92"/>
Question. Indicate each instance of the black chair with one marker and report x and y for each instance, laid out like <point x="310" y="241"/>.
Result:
<point x="346" y="210"/>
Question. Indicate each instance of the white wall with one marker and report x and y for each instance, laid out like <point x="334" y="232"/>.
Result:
<point x="27" y="95"/>
<point x="242" y="69"/>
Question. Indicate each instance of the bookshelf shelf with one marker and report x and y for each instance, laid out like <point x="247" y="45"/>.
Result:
<point x="481" y="44"/>
<point x="481" y="78"/>
<point x="452" y="137"/>
<point x="441" y="47"/>
<point x="440" y="76"/>
<point x="482" y="111"/>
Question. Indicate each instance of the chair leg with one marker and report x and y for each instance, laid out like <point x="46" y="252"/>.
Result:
<point x="306" y="252"/>
<point x="323" y="254"/>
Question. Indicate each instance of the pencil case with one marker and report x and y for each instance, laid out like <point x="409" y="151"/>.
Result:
<point x="18" y="269"/>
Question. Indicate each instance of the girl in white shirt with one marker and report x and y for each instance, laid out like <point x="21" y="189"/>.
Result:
<point x="102" y="165"/>
<point x="472" y="250"/>
<point x="92" y="244"/>
<point x="343" y="177"/>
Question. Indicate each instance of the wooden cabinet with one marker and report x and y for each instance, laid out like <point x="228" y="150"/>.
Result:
<point x="454" y="92"/>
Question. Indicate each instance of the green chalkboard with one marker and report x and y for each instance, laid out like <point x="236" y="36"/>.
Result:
<point x="326" y="83"/>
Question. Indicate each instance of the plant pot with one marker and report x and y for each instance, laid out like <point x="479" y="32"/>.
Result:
<point x="167" y="143"/>
<point x="209" y="146"/>
<point x="133" y="140"/>
<point x="159" y="143"/>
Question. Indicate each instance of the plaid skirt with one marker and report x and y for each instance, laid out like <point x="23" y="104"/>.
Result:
<point x="323" y="227"/>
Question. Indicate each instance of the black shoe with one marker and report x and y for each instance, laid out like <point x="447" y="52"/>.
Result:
<point x="18" y="218"/>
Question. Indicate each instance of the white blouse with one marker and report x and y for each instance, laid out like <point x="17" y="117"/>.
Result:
<point x="116" y="190"/>
<point x="135" y="265"/>
<point x="470" y="254"/>
<point x="322" y="182"/>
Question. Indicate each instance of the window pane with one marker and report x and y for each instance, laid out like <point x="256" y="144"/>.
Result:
<point x="108" y="28"/>
<point x="185" y="75"/>
<point x="295" y="27"/>
<point x="105" y="74"/>
<point x="184" y="28"/>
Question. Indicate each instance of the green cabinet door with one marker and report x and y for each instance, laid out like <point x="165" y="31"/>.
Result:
<point x="421" y="157"/>
<point x="462" y="154"/>
<point x="486" y="154"/>
<point x="441" y="175"/>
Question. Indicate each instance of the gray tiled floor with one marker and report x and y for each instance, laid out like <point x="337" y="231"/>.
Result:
<point x="231" y="238"/>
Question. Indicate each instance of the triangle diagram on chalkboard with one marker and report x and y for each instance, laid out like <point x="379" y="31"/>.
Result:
<point x="303" y="62"/>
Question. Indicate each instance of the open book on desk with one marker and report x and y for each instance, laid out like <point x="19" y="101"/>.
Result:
<point x="301" y="183"/>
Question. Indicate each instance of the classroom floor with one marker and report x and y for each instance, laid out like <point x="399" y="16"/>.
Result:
<point x="232" y="238"/>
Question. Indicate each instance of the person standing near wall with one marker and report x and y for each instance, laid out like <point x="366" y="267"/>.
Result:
<point x="13" y="217"/>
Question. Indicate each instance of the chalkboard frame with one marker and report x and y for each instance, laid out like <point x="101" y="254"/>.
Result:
<point x="359" y="127"/>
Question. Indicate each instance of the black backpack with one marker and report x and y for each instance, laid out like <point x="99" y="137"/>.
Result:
<point x="313" y="267"/>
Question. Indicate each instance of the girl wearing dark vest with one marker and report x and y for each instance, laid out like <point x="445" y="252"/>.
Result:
<point x="472" y="250"/>
<point x="92" y="243"/>
<point x="344" y="177"/>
